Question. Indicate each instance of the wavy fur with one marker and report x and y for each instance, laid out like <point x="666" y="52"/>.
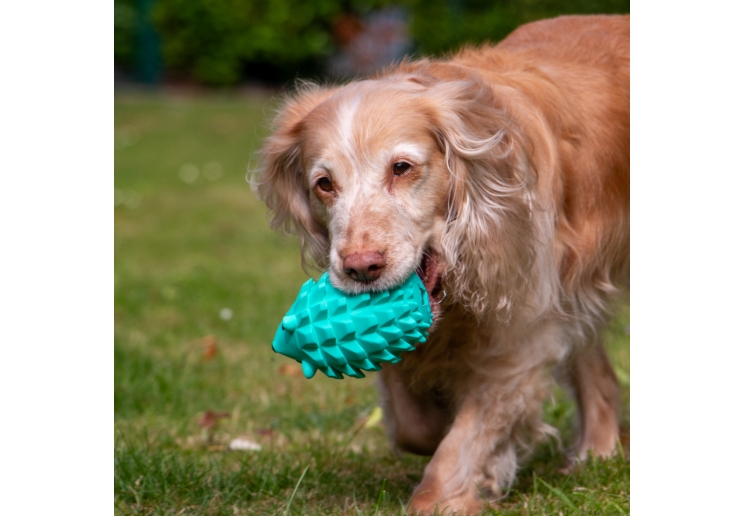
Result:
<point x="281" y="183"/>
<point x="514" y="201"/>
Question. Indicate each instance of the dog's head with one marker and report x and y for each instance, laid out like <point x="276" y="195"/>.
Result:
<point x="407" y="173"/>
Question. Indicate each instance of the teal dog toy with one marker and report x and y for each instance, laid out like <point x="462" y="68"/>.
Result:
<point x="339" y="334"/>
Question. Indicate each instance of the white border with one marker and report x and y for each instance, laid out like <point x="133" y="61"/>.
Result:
<point x="56" y="222"/>
<point x="687" y="255"/>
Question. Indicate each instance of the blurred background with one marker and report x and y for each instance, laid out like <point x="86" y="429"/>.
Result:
<point x="229" y="42"/>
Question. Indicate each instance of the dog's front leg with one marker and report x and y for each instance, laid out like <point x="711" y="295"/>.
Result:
<point x="477" y="458"/>
<point x="448" y="478"/>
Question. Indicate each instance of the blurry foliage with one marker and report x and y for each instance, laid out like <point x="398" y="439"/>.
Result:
<point x="125" y="27"/>
<point x="217" y="41"/>
<point x="220" y="42"/>
<point x="441" y="26"/>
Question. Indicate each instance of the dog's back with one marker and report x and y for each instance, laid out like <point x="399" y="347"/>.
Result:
<point x="576" y="72"/>
<point x="598" y="41"/>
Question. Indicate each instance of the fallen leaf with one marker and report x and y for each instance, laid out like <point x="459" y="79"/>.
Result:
<point x="210" y="347"/>
<point x="290" y="370"/>
<point x="625" y="440"/>
<point x="210" y="419"/>
<point x="374" y="418"/>
<point x="369" y="421"/>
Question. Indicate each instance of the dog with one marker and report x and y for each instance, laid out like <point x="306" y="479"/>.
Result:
<point x="501" y="176"/>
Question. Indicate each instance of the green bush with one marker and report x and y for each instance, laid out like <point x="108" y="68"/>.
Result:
<point x="217" y="41"/>
<point x="220" y="42"/>
<point x="125" y="26"/>
<point x="440" y="26"/>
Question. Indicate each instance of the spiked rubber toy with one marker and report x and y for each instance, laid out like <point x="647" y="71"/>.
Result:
<point x="339" y="334"/>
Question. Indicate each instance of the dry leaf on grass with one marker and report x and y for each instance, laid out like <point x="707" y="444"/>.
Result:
<point x="625" y="440"/>
<point x="209" y="422"/>
<point x="371" y="420"/>
<point x="292" y="370"/>
<point x="210" y="347"/>
<point x="210" y="419"/>
<point x="374" y="419"/>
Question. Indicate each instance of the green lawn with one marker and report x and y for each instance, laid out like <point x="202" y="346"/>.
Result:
<point x="200" y="285"/>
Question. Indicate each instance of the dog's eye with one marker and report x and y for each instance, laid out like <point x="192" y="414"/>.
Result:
<point x="325" y="184"/>
<point x="401" y="168"/>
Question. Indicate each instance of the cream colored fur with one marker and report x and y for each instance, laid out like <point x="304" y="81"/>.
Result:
<point x="518" y="190"/>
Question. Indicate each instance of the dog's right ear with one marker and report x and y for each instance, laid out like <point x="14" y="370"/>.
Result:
<point x="280" y="179"/>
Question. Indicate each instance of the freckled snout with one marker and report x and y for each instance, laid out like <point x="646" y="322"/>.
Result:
<point x="364" y="267"/>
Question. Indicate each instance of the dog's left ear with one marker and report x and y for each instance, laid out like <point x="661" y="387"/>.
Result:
<point x="280" y="180"/>
<point x="489" y="238"/>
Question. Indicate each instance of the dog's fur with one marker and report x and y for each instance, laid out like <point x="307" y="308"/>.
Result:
<point x="514" y="201"/>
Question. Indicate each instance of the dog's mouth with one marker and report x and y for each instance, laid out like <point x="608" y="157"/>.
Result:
<point x="431" y="276"/>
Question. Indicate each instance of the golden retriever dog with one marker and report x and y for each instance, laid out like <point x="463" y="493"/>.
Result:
<point x="502" y="177"/>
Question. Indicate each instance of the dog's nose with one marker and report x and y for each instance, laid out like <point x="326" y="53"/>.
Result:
<point x="364" y="267"/>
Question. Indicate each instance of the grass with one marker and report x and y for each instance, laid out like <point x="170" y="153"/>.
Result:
<point x="200" y="284"/>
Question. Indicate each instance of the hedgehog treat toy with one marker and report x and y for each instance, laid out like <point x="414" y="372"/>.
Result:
<point x="339" y="334"/>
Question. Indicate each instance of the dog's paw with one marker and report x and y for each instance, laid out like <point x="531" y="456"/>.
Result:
<point x="429" y="500"/>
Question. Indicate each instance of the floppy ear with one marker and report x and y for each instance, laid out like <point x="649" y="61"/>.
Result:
<point x="488" y="241"/>
<point x="280" y="181"/>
